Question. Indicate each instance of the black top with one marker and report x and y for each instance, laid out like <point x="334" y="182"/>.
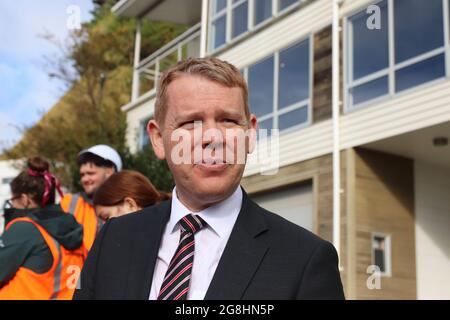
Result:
<point x="266" y="257"/>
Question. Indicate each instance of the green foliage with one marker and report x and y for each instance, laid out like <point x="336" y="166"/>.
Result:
<point x="97" y="68"/>
<point x="156" y="170"/>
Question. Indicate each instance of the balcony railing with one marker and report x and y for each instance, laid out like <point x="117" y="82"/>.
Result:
<point x="149" y="70"/>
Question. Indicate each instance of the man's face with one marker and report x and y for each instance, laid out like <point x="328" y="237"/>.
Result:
<point x="208" y="176"/>
<point x="92" y="177"/>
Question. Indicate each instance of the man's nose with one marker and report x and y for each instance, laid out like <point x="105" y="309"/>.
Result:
<point x="212" y="135"/>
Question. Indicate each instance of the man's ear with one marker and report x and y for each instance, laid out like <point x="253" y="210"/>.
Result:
<point x="109" y="171"/>
<point x="154" y="132"/>
<point x="253" y="127"/>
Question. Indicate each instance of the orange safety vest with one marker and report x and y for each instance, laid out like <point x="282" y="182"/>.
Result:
<point x="58" y="283"/>
<point x="85" y="215"/>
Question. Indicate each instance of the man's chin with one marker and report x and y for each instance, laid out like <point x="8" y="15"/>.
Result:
<point x="213" y="191"/>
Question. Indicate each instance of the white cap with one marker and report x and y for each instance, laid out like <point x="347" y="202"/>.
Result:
<point x="105" y="152"/>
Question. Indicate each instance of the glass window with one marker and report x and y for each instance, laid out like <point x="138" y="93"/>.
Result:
<point x="418" y="27"/>
<point x="265" y="125"/>
<point x="240" y="19"/>
<point x="293" y="87"/>
<point x="283" y="4"/>
<point x="263" y="10"/>
<point x="144" y="140"/>
<point x="293" y="118"/>
<point x="260" y="86"/>
<point x="370" y="48"/>
<point x="219" y="32"/>
<point x="419" y="73"/>
<point x="294" y="75"/>
<point x="219" y="5"/>
<point x="370" y="90"/>
<point x="381" y="253"/>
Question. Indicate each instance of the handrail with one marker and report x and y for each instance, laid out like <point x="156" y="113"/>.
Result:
<point x="185" y="37"/>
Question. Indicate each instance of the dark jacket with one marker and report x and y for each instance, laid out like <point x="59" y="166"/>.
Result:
<point x="22" y="245"/>
<point x="266" y="257"/>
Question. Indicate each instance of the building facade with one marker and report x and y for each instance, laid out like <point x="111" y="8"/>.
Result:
<point x="368" y="94"/>
<point x="8" y="172"/>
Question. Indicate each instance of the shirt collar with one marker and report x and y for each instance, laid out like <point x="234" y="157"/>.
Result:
<point x="219" y="217"/>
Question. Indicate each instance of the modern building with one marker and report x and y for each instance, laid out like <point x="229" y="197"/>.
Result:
<point x="360" y="93"/>
<point x="8" y="172"/>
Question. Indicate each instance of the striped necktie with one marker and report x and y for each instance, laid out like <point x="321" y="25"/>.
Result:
<point x="176" y="282"/>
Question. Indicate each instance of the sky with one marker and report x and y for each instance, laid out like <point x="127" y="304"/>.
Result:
<point x="26" y="91"/>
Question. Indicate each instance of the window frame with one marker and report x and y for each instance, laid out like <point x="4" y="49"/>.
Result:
<point x="387" y="252"/>
<point x="392" y="68"/>
<point x="274" y="115"/>
<point x="288" y="8"/>
<point x="246" y="69"/>
<point x="230" y="13"/>
<point x="213" y="18"/>
<point x="251" y="26"/>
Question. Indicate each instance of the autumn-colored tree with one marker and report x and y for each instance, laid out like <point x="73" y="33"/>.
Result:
<point x="96" y="70"/>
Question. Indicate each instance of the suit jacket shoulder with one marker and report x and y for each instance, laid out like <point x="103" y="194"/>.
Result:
<point x="277" y="259"/>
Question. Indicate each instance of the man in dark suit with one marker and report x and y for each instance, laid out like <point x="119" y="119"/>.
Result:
<point x="210" y="241"/>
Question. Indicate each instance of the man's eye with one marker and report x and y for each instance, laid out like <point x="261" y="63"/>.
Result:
<point x="187" y="123"/>
<point x="229" y="121"/>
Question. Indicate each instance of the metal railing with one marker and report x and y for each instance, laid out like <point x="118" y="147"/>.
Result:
<point x="184" y="46"/>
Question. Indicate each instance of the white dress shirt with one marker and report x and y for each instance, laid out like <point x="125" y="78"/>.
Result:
<point x="209" y="243"/>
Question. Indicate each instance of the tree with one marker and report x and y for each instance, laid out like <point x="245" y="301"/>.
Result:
<point x="157" y="171"/>
<point x="96" y="70"/>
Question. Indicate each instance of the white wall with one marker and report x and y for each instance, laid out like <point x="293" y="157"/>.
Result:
<point x="135" y="116"/>
<point x="7" y="171"/>
<point x="432" y="201"/>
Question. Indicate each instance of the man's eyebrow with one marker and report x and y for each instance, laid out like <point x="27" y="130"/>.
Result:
<point x="198" y="115"/>
<point x="226" y="113"/>
<point x="187" y="116"/>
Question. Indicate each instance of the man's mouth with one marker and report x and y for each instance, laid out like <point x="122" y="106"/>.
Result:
<point x="214" y="164"/>
<point x="212" y="161"/>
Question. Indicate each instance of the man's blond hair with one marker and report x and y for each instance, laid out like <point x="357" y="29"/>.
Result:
<point x="209" y="68"/>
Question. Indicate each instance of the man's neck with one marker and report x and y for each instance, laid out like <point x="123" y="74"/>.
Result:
<point x="197" y="206"/>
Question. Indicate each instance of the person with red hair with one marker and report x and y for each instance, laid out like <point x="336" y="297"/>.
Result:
<point x="125" y="192"/>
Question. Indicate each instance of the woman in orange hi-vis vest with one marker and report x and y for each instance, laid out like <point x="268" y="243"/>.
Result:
<point x="41" y="249"/>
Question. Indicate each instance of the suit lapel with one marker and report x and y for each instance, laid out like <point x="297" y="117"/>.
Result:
<point x="242" y="255"/>
<point x="145" y="251"/>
